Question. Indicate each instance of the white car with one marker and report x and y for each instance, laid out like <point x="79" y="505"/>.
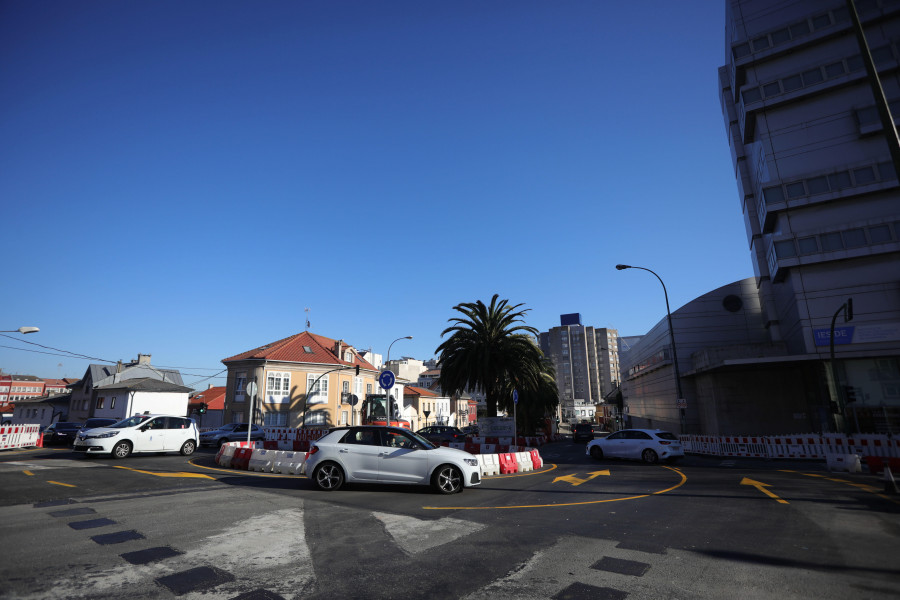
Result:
<point x="649" y="445"/>
<point x="375" y="454"/>
<point x="140" y="433"/>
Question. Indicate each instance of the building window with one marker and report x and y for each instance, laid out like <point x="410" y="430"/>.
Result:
<point x="879" y="234"/>
<point x="345" y="387"/>
<point x="343" y="417"/>
<point x="831" y="241"/>
<point x="854" y="238"/>
<point x="112" y="403"/>
<point x="808" y="245"/>
<point x="368" y="388"/>
<point x="275" y="419"/>
<point x="240" y="385"/>
<point x="278" y="385"/>
<point x="785" y="249"/>
<point x="100" y="402"/>
<point x="319" y="395"/>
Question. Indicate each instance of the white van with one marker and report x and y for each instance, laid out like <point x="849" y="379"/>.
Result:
<point x="140" y="433"/>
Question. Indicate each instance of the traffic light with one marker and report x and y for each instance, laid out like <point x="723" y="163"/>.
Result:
<point x="202" y="408"/>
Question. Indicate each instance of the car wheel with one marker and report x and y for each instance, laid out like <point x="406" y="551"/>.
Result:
<point x="122" y="449"/>
<point x="596" y="453"/>
<point x="447" y="480"/>
<point x="188" y="448"/>
<point x="650" y="456"/>
<point x="221" y="441"/>
<point x="328" y="476"/>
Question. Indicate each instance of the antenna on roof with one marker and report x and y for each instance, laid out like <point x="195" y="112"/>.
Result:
<point x="306" y="310"/>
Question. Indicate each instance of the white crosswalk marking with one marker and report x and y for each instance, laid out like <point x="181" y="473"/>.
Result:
<point x="418" y="535"/>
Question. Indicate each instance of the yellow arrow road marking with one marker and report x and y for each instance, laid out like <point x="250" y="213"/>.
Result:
<point x="577" y="480"/>
<point x="194" y="475"/>
<point x="28" y="473"/>
<point x="762" y="487"/>
<point x="63" y="484"/>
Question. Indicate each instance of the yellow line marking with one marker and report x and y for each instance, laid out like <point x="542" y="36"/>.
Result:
<point x="63" y="484"/>
<point x="28" y="473"/>
<point x="762" y="487"/>
<point x="185" y="475"/>
<point x="677" y="485"/>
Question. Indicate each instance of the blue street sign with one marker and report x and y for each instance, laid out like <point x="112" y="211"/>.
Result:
<point x="515" y="396"/>
<point x="386" y="380"/>
<point x="842" y="335"/>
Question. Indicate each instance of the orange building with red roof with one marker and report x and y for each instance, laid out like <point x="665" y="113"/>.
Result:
<point x="302" y="380"/>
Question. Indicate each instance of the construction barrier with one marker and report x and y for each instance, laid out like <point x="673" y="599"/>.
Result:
<point x="804" y="446"/>
<point x="19" y="436"/>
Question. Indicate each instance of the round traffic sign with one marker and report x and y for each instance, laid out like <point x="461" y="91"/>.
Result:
<point x="386" y="380"/>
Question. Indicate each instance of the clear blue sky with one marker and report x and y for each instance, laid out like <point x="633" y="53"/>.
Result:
<point x="184" y="178"/>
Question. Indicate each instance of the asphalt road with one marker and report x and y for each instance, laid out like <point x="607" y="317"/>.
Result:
<point x="166" y="526"/>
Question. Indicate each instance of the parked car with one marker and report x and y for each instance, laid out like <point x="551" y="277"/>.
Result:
<point x="582" y="432"/>
<point x="439" y="434"/>
<point x="649" y="445"/>
<point x="231" y="432"/>
<point x="96" y="422"/>
<point x="387" y="455"/>
<point x="61" y="433"/>
<point x="140" y="433"/>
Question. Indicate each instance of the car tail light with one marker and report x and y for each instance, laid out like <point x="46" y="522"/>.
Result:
<point x="312" y="450"/>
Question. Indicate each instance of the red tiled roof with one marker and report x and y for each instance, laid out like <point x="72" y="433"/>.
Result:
<point x="292" y="349"/>
<point x="412" y="390"/>
<point x="214" y="398"/>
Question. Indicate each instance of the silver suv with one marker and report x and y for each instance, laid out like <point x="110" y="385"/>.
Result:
<point x="232" y="432"/>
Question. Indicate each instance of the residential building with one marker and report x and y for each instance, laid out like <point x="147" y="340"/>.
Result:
<point x="406" y="368"/>
<point x="84" y="401"/>
<point x="20" y="387"/>
<point x="41" y="411"/>
<point x="586" y="361"/>
<point x="122" y="398"/>
<point x="431" y="408"/>
<point x="305" y="380"/>
<point x="214" y="399"/>
<point x="819" y="191"/>
<point x="57" y="386"/>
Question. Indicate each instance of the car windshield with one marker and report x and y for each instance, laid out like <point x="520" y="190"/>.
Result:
<point x="665" y="435"/>
<point x="130" y="422"/>
<point x="68" y="425"/>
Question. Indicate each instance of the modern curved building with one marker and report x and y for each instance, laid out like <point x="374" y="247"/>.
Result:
<point x="809" y="109"/>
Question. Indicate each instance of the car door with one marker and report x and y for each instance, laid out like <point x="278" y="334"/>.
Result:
<point x="360" y="451"/>
<point x="614" y="445"/>
<point x="404" y="460"/>
<point x="150" y="435"/>
<point x="178" y="430"/>
<point x="640" y="440"/>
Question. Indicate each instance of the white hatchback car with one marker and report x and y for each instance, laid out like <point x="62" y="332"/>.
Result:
<point x="140" y="433"/>
<point x="375" y="454"/>
<point x="649" y="445"/>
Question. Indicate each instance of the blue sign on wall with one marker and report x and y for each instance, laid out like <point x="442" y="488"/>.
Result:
<point x="842" y="335"/>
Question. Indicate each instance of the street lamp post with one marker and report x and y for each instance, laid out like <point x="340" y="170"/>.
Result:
<point x="671" y="339"/>
<point x="387" y="417"/>
<point x="22" y="330"/>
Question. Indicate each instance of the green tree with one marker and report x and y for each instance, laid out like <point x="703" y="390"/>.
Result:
<point x="491" y="348"/>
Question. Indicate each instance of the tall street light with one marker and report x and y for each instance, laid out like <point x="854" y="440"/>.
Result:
<point x="671" y="339"/>
<point x="387" y="417"/>
<point x="21" y="330"/>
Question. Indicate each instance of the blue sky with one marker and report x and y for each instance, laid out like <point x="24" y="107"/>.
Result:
<point x="185" y="178"/>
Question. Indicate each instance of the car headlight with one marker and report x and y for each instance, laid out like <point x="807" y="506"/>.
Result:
<point x="103" y="435"/>
<point x="472" y="462"/>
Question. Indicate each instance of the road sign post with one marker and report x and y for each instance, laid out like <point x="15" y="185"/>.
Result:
<point x="386" y="380"/>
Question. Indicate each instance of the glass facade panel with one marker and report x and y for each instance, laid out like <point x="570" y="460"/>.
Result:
<point x="817" y="185"/>
<point x="864" y="175"/>
<point x="773" y="194"/>
<point x="834" y="69"/>
<point x="879" y="234"/>
<point x="854" y="238"/>
<point x="771" y="89"/>
<point x="808" y="245"/>
<point x="839" y="180"/>
<point x="812" y="76"/>
<point x="794" y="82"/>
<point x="799" y="29"/>
<point x="796" y="189"/>
<point x="785" y="249"/>
<point x="751" y="95"/>
<point x="831" y="241"/>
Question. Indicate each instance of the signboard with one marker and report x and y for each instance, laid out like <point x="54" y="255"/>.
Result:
<point x="386" y="380"/>
<point x="515" y="396"/>
<point x="681" y="403"/>
<point x="496" y="427"/>
<point x="251" y="389"/>
<point x="858" y="334"/>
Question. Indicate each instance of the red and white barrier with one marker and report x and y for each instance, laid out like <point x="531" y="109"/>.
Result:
<point x="19" y="436"/>
<point x="807" y="446"/>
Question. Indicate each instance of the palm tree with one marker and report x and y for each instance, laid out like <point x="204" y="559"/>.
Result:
<point x="488" y="348"/>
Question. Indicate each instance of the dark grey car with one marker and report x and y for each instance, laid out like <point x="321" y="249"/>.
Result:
<point x="232" y="432"/>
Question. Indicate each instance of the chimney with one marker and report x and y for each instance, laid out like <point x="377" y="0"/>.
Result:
<point x="143" y="359"/>
<point x="210" y="386"/>
<point x="338" y="349"/>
